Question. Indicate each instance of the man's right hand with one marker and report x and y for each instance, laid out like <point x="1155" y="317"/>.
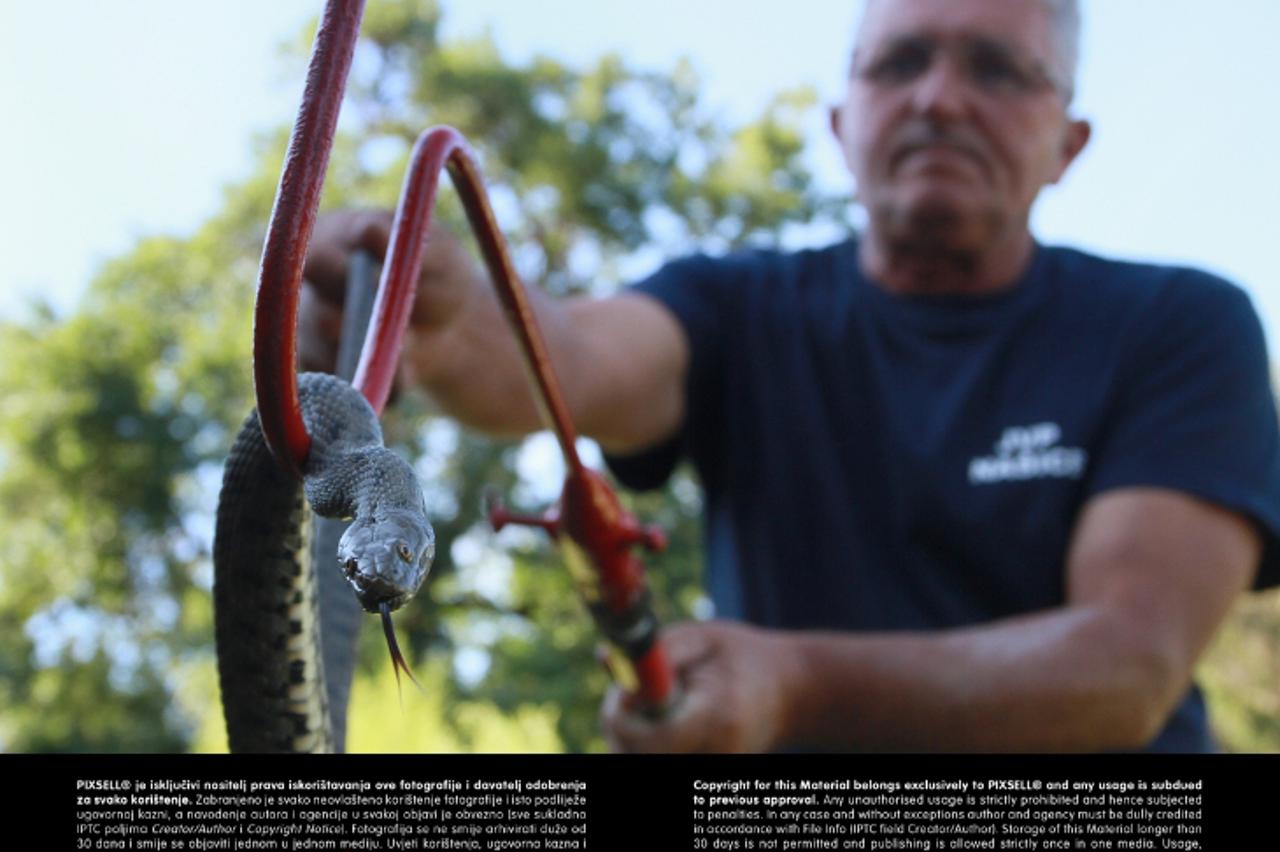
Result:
<point x="444" y="284"/>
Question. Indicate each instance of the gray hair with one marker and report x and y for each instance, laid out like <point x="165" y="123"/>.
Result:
<point x="1065" y="18"/>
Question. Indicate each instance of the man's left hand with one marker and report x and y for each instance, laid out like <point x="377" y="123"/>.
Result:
<point x="733" y="684"/>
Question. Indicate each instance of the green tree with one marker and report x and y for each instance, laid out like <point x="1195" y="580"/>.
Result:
<point x="115" y="416"/>
<point x="118" y="415"/>
<point x="1241" y="677"/>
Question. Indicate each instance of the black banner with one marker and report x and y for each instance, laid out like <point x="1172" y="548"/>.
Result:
<point x="607" y="802"/>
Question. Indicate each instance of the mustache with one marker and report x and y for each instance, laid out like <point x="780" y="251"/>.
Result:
<point x="919" y="135"/>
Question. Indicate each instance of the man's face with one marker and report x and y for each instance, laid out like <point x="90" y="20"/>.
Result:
<point x="953" y="120"/>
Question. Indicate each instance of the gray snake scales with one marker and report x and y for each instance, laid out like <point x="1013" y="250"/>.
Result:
<point x="265" y="613"/>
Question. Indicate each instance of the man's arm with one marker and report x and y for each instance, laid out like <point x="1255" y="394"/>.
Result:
<point x="621" y="360"/>
<point x="1151" y="575"/>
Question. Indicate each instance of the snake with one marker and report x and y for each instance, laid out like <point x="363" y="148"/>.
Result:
<point x="266" y="620"/>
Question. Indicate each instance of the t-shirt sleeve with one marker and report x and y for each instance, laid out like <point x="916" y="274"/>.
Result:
<point x="1195" y="410"/>
<point x="693" y="290"/>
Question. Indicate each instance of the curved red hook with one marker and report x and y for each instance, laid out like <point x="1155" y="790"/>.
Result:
<point x="275" y="319"/>
<point x="590" y="512"/>
<point x="437" y="149"/>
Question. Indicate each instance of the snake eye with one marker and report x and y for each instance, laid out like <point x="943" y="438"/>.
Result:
<point x="403" y="551"/>
<point x="349" y="567"/>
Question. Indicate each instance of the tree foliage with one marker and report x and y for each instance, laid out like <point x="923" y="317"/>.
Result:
<point x="114" y="416"/>
<point x="117" y="416"/>
<point x="1241" y="677"/>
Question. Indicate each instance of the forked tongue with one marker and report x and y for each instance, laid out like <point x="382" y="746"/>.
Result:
<point x="397" y="659"/>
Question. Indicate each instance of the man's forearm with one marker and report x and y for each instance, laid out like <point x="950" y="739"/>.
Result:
<point x="620" y="362"/>
<point x="475" y="370"/>
<point x="1065" y="680"/>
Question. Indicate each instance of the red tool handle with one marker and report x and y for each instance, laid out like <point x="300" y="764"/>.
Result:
<point x="590" y="512"/>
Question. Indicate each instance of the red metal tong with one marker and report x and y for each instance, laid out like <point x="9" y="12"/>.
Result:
<point x="590" y="520"/>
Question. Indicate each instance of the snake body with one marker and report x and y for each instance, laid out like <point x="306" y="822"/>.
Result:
<point x="265" y="600"/>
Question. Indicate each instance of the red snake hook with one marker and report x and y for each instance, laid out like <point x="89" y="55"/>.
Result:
<point x="590" y="516"/>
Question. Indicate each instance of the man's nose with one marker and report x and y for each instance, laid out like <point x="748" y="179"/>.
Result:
<point x="943" y="92"/>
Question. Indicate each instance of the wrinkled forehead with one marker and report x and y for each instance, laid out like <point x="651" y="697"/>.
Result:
<point x="1026" y="25"/>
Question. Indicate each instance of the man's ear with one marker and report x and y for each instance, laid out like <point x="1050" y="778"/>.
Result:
<point x="1074" y="140"/>
<point x="836" y="119"/>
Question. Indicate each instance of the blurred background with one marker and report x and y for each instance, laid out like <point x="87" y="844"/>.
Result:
<point x="142" y="148"/>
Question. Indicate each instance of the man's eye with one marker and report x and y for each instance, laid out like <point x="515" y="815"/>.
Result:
<point x="992" y="69"/>
<point x="900" y="65"/>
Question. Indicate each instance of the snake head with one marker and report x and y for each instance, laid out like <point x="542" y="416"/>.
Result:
<point x="385" y="557"/>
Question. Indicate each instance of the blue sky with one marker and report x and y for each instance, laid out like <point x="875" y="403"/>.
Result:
<point x="127" y="118"/>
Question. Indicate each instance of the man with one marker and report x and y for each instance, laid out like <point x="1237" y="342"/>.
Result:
<point x="969" y="492"/>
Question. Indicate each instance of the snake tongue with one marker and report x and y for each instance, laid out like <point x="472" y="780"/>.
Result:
<point x="398" y="663"/>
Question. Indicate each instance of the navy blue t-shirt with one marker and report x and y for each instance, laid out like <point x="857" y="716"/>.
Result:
<point x="884" y="462"/>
